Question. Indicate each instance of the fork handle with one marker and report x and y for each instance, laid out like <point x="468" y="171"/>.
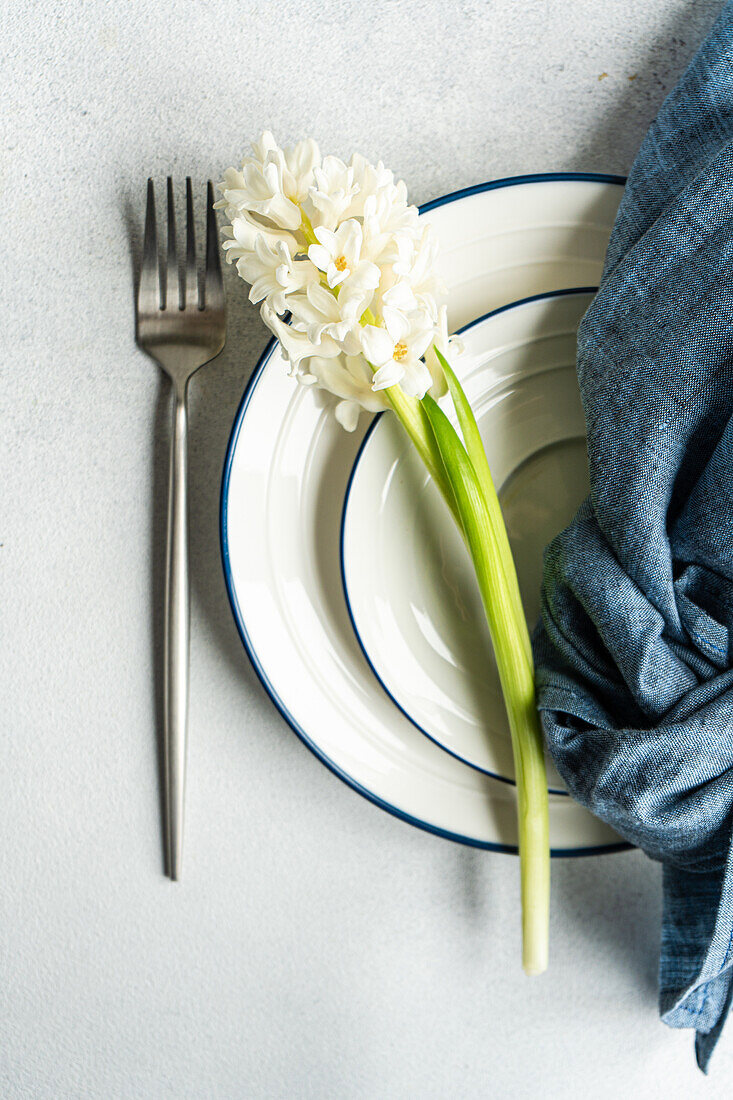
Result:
<point x="176" y="655"/>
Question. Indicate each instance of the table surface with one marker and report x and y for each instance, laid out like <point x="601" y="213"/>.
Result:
<point x="316" y="947"/>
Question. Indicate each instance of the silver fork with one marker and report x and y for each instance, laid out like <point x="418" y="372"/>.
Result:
<point x="182" y="326"/>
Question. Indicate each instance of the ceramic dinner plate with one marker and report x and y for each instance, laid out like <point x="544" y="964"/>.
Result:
<point x="286" y="474"/>
<point x="408" y="579"/>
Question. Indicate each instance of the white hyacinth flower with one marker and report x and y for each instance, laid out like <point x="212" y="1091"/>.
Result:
<point x="339" y="249"/>
<point x="244" y="231"/>
<point x="301" y="162"/>
<point x="338" y="256"/>
<point x="350" y="380"/>
<point x="231" y="186"/>
<point x="295" y="345"/>
<point x="263" y="193"/>
<point x="369" y="179"/>
<point x="418" y="267"/>
<point x="397" y="293"/>
<point x="397" y="350"/>
<point x="273" y="182"/>
<point x="272" y="273"/>
<point x="333" y="192"/>
<point x="318" y="313"/>
<point x="387" y="221"/>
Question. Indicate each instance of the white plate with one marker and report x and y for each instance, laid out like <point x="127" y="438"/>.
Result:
<point x="408" y="580"/>
<point x="285" y="478"/>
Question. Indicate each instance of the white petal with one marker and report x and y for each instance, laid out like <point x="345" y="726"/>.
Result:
<point x="333" y="166"/>
<point x="417" y="379"/>
<point x="347" y="414"/>
<point x="276" y="298"/>
<point x="264" y="144"/>
<point x="377" y="345"/>
<point x="281" y="211"/>
<point x="303" y="158"/>
<point x="397" y="324"/>
<point x="245" y="228"/>
<point x="348" y="379"/>
<point x="353" y="301"/>
<point x="334" y="276"/>
<point x="405" y="249"/>
<point x="295" y="345"/>
<point x="326" y="237"/>
<point x="324" y="302"/>
<point x="400" y="296"/>
<point x="301" y="274"/>
<point x="365" y="276"/>
<point x="304" y="312"/>
<point x="438" y="384"/>
<point x="349" y="237"/>
<point x="282" y="275"/>
<point x="429" y="305"/>
<point x="421" y="341"/>
<point x="349" y="339"/>
<point x="388" y="375"/>
<point x="319" y="255"/>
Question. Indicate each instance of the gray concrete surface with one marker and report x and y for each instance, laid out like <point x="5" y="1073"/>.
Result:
<point x="317" y="948"/>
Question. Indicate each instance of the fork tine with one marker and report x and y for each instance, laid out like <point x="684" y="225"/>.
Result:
<point x="191" y="279"/>
<point x="148" y="292"/>
<point x="172" y="300"/>
<point x="214" y="288"/>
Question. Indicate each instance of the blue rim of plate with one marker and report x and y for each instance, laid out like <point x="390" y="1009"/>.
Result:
<point x="566" y="292"/>
<point x="395" y="811"/>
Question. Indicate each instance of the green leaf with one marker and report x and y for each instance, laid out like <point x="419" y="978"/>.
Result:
<point x="411" y="414"/>
<point x="477" y="453"/>
<point x="474" y="516"/>
<point x="469" y="428"/>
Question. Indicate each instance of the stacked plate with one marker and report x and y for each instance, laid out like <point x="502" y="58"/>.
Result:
<point x="350" y="587"/>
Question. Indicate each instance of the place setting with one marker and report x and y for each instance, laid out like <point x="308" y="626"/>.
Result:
<point x="470" y="517"/>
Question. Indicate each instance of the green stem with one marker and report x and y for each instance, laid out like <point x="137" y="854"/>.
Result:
<point x="306" y="227"/>
<point x="508" y="630"/>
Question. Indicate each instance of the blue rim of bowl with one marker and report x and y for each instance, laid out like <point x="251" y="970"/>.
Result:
<point x="545" y="296"/>
<point x="395" y="811"/>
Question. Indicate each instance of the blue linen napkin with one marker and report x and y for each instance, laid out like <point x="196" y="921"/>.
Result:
<point x="634" y="649"/>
